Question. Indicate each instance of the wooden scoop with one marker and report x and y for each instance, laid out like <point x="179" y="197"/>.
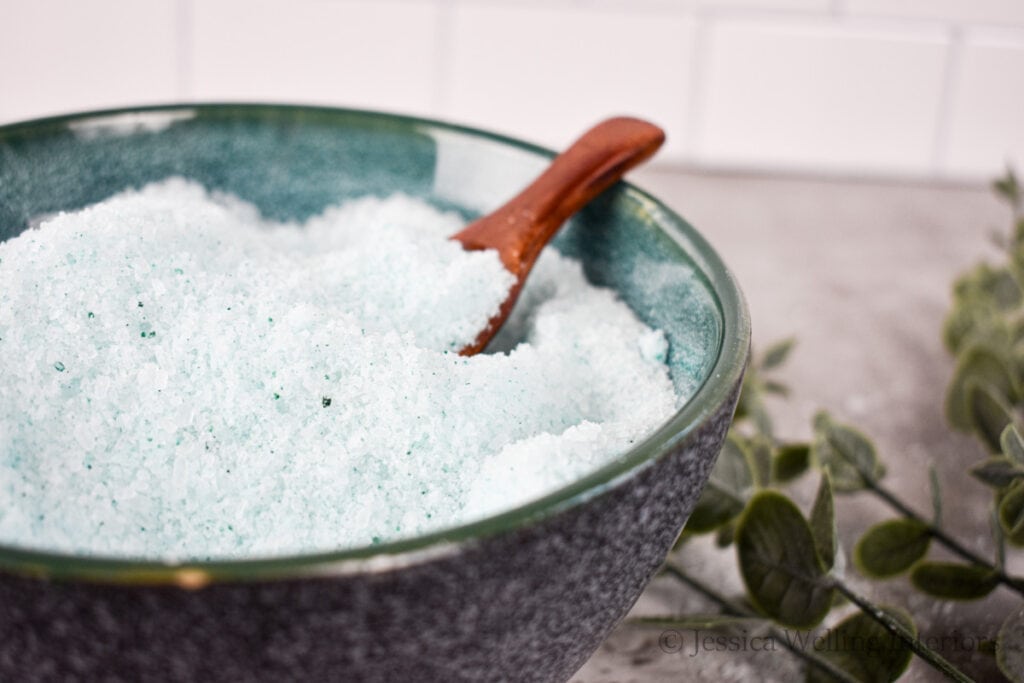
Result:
<point x="521" y="228"/>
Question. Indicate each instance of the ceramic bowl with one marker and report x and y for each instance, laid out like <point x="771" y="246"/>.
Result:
<point x="526" y="595"/>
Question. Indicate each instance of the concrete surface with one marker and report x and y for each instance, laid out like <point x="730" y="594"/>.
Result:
<point x="860" y="273"/>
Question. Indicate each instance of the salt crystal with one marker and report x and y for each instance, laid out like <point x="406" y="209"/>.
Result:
<point x="237" y="387"/>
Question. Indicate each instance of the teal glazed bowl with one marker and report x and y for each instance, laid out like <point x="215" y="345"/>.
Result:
<point x="526" y="595"/>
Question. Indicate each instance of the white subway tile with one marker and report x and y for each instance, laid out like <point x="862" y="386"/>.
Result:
<point x="813" y="95"/>
<point x="376" y="54"/>
<point x="806" y="5"/>
<point x="995" y="11"/>
<point x="986" y="119"/>
<point x="66" y="55"/>
<point x="547" y="73"/>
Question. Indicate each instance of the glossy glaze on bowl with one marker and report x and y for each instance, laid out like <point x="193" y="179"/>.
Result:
<point x="524" y="596"/>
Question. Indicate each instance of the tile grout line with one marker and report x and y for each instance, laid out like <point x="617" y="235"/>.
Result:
<point x="950" y="84"/>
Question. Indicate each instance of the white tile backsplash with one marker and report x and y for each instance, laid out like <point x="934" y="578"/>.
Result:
<point x="58" y="56"/>
<point x="953" y="11"/>
<point x="904" y="87"/>
<point x="986" y="122"/>
<point x="368" y="53"/>
<point x="547" y="73"/>
<point x="814" y="95"/>
<point x="805" y="5"/>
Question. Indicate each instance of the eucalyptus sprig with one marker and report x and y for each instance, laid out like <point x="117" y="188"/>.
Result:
<point x="984" y="330"/>
<point x="790" y="564"/>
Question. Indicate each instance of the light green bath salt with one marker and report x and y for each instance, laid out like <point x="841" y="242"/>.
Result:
<point x="182" y="379"/>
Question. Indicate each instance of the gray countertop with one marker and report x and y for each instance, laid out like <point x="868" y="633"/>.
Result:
<point x="860" y="273"/>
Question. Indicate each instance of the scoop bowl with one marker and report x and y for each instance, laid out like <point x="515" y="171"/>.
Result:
<point x="526" y="595"/>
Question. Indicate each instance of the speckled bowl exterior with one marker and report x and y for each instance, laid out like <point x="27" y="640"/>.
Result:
<point x="526" y="595"/>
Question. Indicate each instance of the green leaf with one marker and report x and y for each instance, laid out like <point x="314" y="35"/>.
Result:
<point x="989" y="413"/>
<point x="777" y="353"/>
<point x="953" y="581"/>
<point x="863" y="648"/>
<point x="1010" y="646"/>
<point x="741" y="414"/>
<point x="714" y="509"/>
<point x="998" y="538"/>
<point x="1011" y="514"/>
<point x="956" y="328"/>
<point x="777" y="388"/>
<point x="750" y="407"/>
<point x="1017" y="331"/>
<point x="726" y="492"/>
<point x="725" y="535"/>
<point x="892" y="547"/>
<point x="847" y="453"/>
<point x="1008" y="188"/>
<point x="1012" y="444"/>
<point x="762" y="418"/>
<point x="977" y="364"/>
<point x="751" y="404"/>
<point x="1004" y="290"/>
<point x="936" y="493"/>
<point x="997" y="287"/>
<point x="823" y="522"/>
<point x="759" y="454"/>
<point x="790" y="461"/>
<point x="780" y="567"/>
<point x="997" y="472"/>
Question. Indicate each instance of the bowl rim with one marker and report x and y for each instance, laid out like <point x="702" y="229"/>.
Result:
<point x="717" y="388"/>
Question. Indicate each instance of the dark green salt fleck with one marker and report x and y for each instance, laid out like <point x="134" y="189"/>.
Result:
<point x="58" y="366"/>
<point x="326" y="401"/>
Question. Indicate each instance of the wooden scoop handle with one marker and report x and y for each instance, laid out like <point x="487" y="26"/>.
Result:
<point x="521" y="228"/>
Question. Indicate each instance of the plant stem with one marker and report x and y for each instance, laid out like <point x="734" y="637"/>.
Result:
<point x="732" y="609"/>
<point x="942" y="537"/>
<point x="893" y="626"/>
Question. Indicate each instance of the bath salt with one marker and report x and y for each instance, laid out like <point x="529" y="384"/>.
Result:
<point x="183" y="379"/>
